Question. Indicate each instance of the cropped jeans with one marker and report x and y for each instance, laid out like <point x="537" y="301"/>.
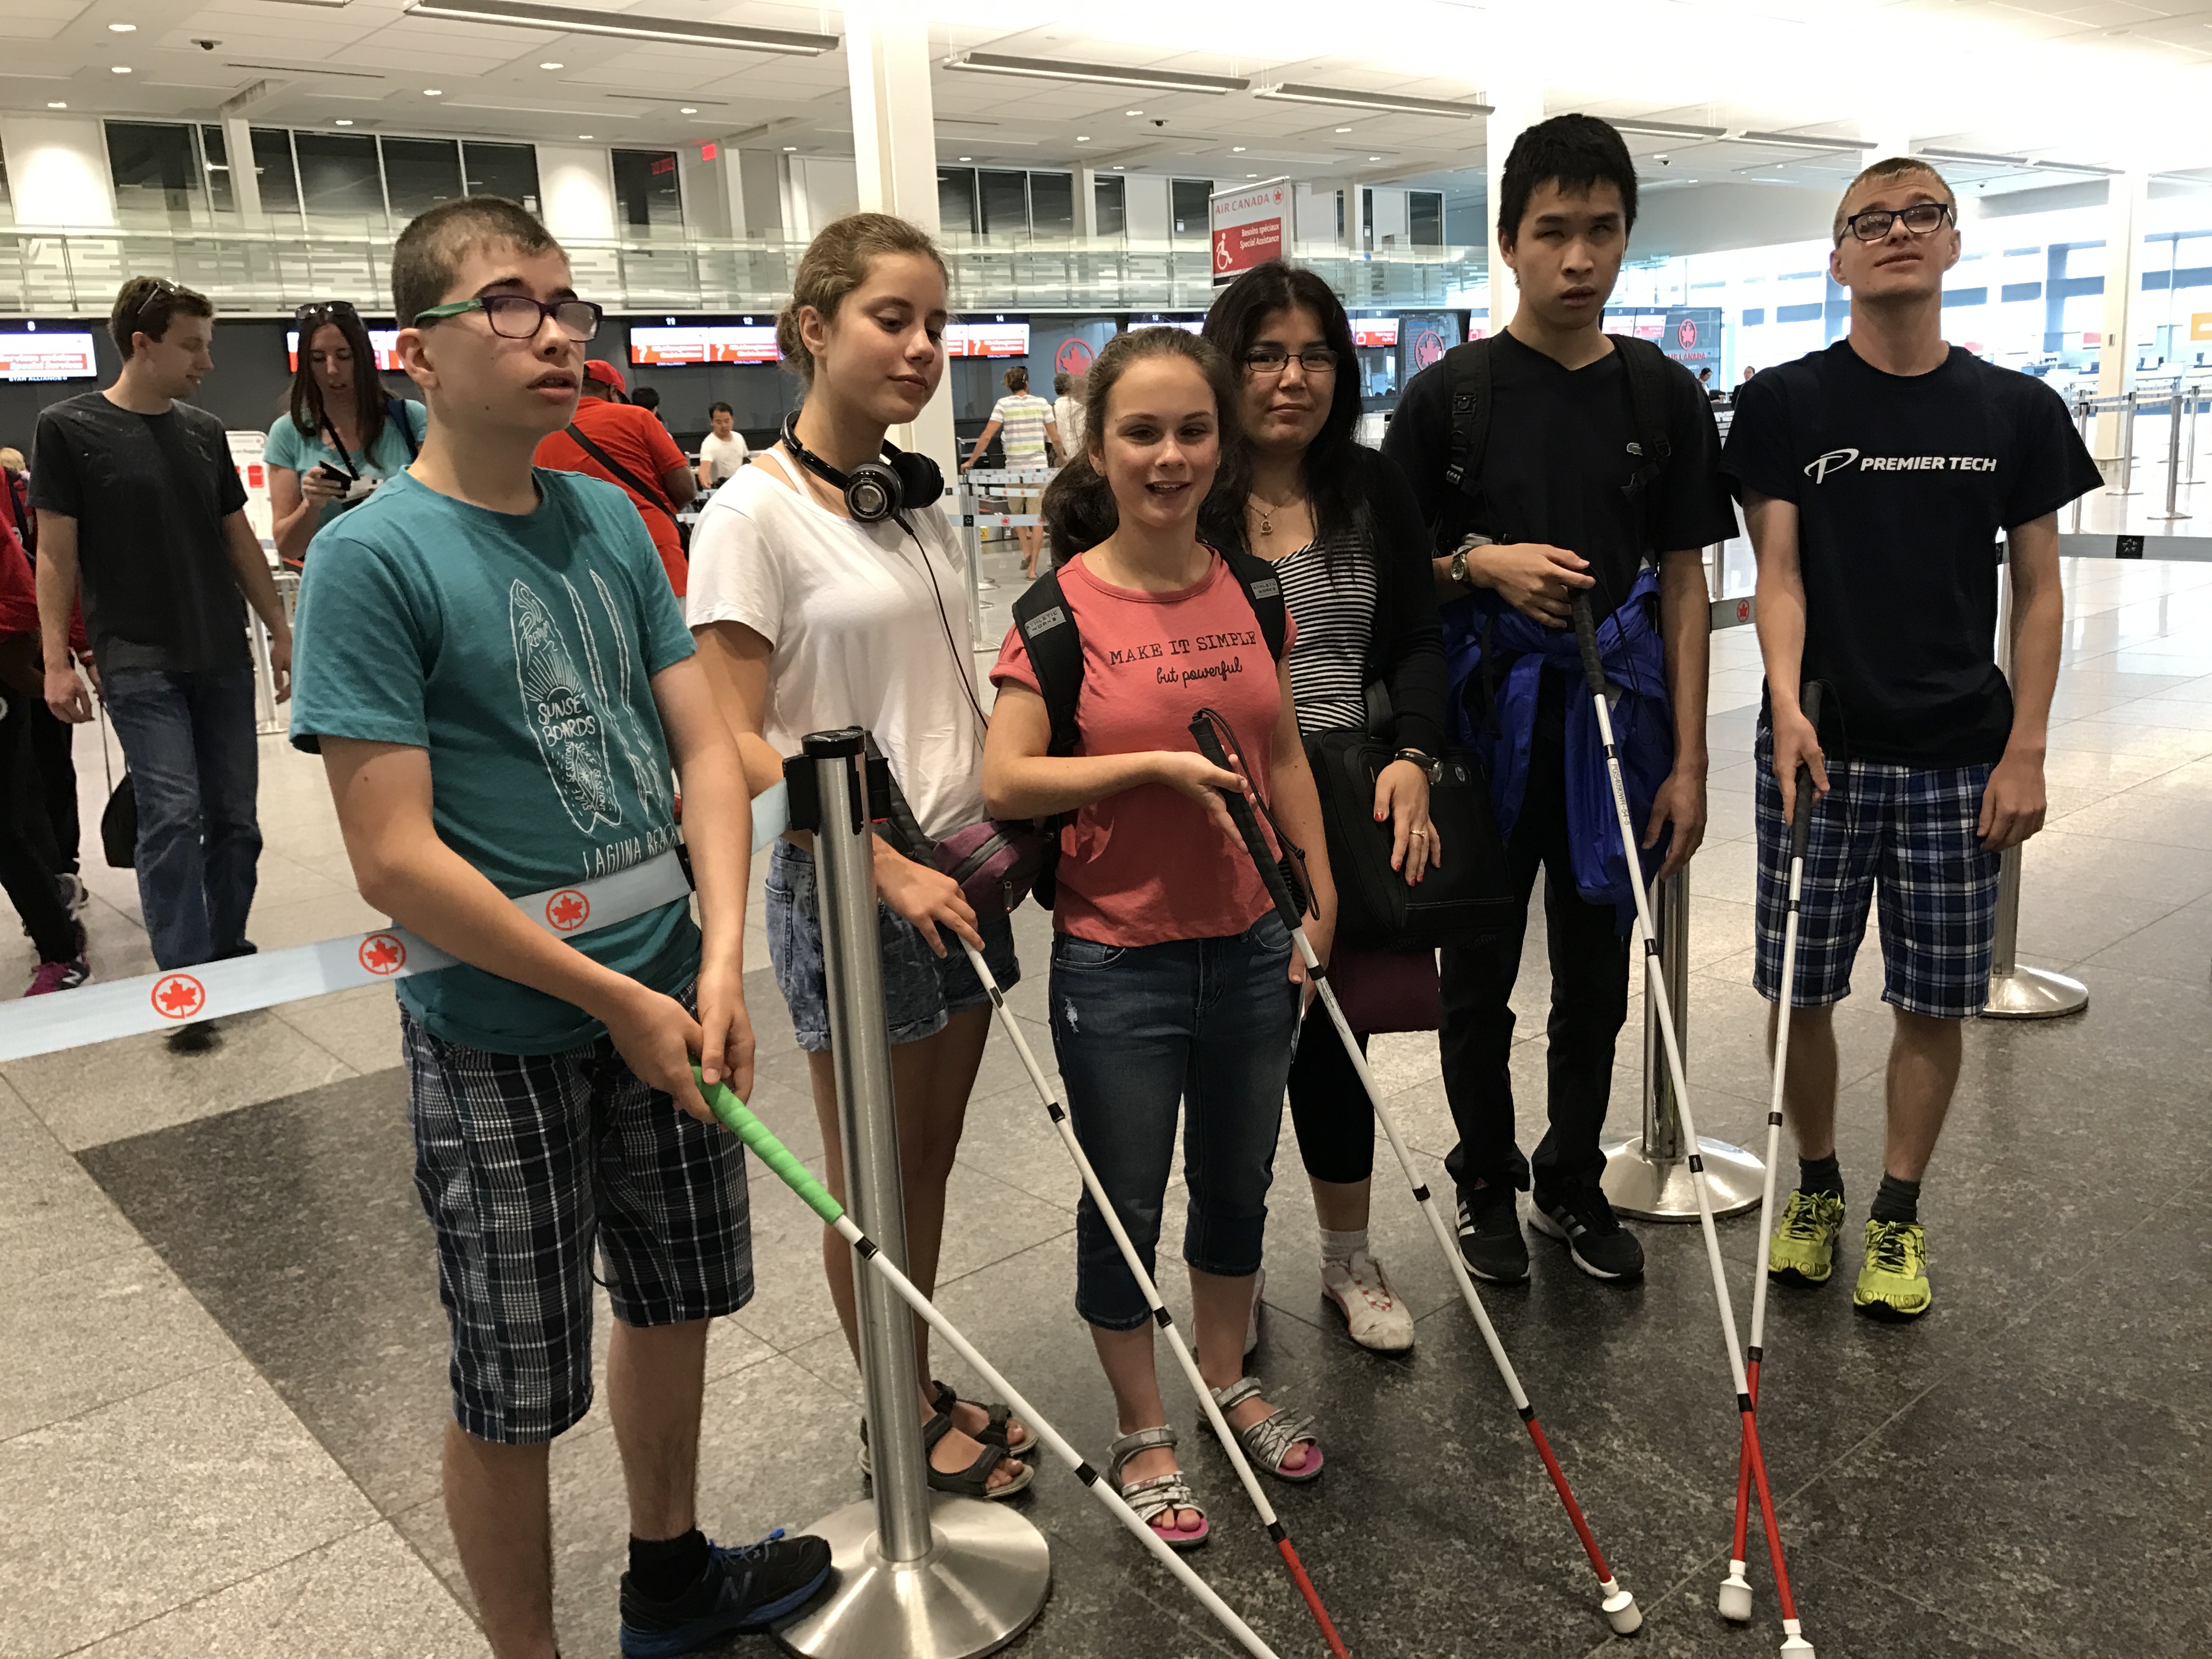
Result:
<point x="1143" y="1032"/>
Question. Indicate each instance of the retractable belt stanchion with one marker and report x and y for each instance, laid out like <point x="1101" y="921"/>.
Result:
<point x="1649" y="1177"/>
<point x="2018" y="991"/>
<point x="2082" y="416"/>
<point x="2172" y="461"/>
<point x="2127" y="455"/>
<point x="920" y="1575"/>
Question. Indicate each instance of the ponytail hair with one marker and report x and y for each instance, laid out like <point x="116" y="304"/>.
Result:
<point x="1079" y="511"/>
<point x="836" y="261"/>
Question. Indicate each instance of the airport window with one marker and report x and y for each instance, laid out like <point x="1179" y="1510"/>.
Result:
<point x="647" y="200"/>
<point x="419" y="173"/>
<point x="1005" y="198"/>
<point x="214" y="167"/>
<point x="955" y="200"/>
<point x="1755" y="317"/>
<point x="1109" y="200"/>
<point x="339" y="177"/>
<point x="1190" y="206"/>
<point x="157" y="172"/>
<point x="274" y="171"/>
<point x="1425" y="217"/>
<point x="508" y="170"/>
<point x="1052" y="204"/>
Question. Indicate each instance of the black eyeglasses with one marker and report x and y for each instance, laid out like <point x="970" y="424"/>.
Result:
<point x="1273" y="360"/>
<point x="519" y="317"/>
<point x="324" y="308"/>
<point x="1921" y="219"/>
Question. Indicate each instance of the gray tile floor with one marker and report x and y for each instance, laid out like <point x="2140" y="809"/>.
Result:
<point x="222" y="1368"/>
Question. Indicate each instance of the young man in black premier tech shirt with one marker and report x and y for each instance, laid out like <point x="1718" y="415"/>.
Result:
<point x="1877" y="477"/>
<point x="1559" y="497"/>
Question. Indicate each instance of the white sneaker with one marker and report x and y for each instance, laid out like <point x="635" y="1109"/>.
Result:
<point x="1373" y="1316"/>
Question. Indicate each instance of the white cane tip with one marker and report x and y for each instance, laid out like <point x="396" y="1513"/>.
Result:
<point x="1796" y="1647"/>
<point x="1622" y="1613"/>
<point x="1736" y="1599"/>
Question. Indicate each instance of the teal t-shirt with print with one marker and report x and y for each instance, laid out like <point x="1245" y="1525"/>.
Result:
<point x="517" y="649"/>
<point x="387" y="456"/>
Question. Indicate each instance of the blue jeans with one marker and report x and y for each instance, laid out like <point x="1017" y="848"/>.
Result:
<point x="195" y="764"/>
<point x="1139" y="1030"/>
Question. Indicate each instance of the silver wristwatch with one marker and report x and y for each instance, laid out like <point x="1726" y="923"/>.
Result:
<point x="1428" y="764"/>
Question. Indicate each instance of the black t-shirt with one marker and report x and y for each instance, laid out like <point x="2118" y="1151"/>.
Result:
<point x="149" y="494"/>
<point x="1557" y="457"/>
<point x="1902" y="485"/>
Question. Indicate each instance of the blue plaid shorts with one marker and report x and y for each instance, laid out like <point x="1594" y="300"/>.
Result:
<point x="523" y="1162"/>
<point x="1904" y="834"/>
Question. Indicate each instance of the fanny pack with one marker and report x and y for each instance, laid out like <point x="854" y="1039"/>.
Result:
<point x="994" y="862"/>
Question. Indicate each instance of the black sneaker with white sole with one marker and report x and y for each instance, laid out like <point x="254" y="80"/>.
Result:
<point x="1490" y="1240"/>
<point x="1599" y="1245"/>
<point x="742" y="1589"/>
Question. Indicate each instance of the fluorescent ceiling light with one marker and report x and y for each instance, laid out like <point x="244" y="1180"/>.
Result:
<point x="689" y="109"/>
<point x="122" y="28"/>
<point x="57" y="105"/>
<point x="119" y="69"/>
<point x="1296" y="92"/>
<point x="1666" y="129"/>
<point x="1114" y="74"/>
<point x="552" y="66"/>
<point x="342" y="121"/>
<point x="628" y="24"/>
<point x="1798" y="140"/>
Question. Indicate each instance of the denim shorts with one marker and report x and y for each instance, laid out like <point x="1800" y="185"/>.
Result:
<point x="1903" y="836"/>
<point x="921" y="990"/>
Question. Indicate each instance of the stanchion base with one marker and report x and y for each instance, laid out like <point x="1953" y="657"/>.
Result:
<point x="1651" y="1189"/>
<point x="983" y="1582"/>
<point x="2034" y="993"/>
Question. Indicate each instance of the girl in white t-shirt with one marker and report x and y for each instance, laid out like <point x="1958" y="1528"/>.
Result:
<point x="807" y="620"/>
<point x="1025" y="427"/>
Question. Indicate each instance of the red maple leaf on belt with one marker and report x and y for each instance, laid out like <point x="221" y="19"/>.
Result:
<point x="380" y="953"/>
<point x="567" y="910"/>
<point x="179" y="996"/>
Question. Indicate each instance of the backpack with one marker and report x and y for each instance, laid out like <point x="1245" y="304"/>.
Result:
<point x="1047" y="626"/>
<point x="1467" y="374"/>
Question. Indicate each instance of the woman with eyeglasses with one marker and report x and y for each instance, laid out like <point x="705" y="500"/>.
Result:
<point x="1340" y="525"/>
<point x="343" y="433"/>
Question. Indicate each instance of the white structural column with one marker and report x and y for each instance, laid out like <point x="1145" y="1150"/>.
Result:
<point x="1514" y="106"/>
<point x="895" y="154"/>
<point x="2123" y="221"/>
<point x="245" y="176"/>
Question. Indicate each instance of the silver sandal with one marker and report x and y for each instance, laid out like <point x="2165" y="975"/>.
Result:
<point x="1269" y="1442"/>
<point x="1160" y="1495"/>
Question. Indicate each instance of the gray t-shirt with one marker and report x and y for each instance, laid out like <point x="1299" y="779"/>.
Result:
<point x="149" y="494"/>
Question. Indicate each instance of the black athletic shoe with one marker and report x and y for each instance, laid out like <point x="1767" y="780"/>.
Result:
<point x="742" y="1589"/>
<point x="1490" y="1241"/>
<point x="1599" y="1245"/>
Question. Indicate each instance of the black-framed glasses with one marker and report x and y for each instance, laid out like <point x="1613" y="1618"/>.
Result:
<point x="519" y="317"/>
<point x="1273" y="360"/>
<point x="324" y="309"/>
<point x="1921" y="219"/>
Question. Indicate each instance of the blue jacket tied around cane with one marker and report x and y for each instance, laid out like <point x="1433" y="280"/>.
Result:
<point x="1643" y="725"/>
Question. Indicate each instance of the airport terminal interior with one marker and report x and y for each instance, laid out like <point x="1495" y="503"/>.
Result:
<point x="223" y="1361"/>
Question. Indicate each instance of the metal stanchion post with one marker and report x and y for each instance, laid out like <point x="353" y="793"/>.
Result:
<point x="1649" y="1177"/>
<point x="920" y="1575"/>
<point x="2173" y="462"/>
<point x="2127" y="457"/>
<point x="2195" y="406"/>
<point x="2082" y="417"/>
<point x="2016" y="990"/>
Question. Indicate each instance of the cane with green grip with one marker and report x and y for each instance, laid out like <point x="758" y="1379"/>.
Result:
<point x="722" y="1100"/>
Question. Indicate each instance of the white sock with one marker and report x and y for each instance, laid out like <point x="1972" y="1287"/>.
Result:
<point x="1340" y="1248"/>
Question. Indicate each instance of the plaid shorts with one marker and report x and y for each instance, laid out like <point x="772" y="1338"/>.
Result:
<point x="524" y="1161"/>
<point x="1903" y="833"/>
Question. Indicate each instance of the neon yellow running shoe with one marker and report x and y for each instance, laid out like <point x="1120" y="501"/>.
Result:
<point x="1803" y="1248"/>
<point x="1893" y="1284"/>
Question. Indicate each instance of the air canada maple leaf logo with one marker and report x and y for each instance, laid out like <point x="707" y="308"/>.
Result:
<point x="383" y="953"/>
<point x="566" y="910"/>
<point x="179" y="996"/>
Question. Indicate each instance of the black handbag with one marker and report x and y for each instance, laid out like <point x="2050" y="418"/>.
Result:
<point x="1467" y="899"/>
<point x="119" y="825"/>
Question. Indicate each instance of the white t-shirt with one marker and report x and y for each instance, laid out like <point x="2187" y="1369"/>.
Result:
<point x="852" y="613"/>
<point x="1068" y="416"/>
<point x="1021" y="416"/>
<point x="721" y="456"/>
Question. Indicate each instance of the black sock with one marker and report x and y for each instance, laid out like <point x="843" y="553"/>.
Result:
<point x="1821" y="1175"/>
<point x="1898" y="1201"/>
<point x="663" y="1569"/>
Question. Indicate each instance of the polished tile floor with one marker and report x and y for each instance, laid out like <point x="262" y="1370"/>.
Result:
<point x="221" y="1358"/>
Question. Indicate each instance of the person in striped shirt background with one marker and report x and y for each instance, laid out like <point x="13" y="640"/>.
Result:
<point x="1024" y="424"/>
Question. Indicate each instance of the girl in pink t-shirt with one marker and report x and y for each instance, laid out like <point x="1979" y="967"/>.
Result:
<point x="1173" y="980"/>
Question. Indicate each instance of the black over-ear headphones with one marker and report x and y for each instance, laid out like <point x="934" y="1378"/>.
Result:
<point x="874" y="490"/>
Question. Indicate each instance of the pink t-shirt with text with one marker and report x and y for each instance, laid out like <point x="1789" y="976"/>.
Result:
<point x="1145" y="865"/>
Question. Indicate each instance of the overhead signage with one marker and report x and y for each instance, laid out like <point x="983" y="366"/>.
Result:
<point x="1249" y="228"/>
<point x="987" y="339"/>
<point x="2200" y="325"/>
<point x="35" y="357"/>
<point x="1426" y="337"/>
<point x="1691" y="335"/>
<point x="385" y="342"/>
<point x="1374" y="330"/>
<point x="718" y="343"/>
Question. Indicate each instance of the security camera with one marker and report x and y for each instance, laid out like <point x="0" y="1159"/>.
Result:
<point x="1663" y="160"/>
<point x="1158" y="123"/>
<point x="207" y="45"/>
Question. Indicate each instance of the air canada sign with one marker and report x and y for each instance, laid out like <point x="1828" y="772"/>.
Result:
<point x="1250" y="227"/>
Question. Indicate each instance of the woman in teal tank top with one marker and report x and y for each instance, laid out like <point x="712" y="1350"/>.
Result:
<point x="342" y="434"/>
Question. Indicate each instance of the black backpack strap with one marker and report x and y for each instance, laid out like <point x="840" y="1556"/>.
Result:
<point x="651" y="492"/>
<point x="1055" y="649"/>
<point x="1263" y="592"/>
<point x="1467" y="373"/>
<point x="395" y="410"/>
<point x="1645" y="365"/>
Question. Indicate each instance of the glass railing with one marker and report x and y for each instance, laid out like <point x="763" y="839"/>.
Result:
<point x="75" y="273"/>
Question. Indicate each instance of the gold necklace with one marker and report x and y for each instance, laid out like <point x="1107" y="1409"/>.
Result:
<point x="1253" y="504"/>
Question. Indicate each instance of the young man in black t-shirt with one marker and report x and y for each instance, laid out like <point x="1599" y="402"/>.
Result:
<point x="1557" y="502"/>
<point x="1876" y="478"/>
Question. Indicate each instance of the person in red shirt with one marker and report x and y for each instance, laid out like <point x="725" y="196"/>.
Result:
<point x="1173" y="981"/>
<point x="636" y="451"/>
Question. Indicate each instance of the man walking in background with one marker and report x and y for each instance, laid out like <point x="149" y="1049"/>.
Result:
<point x="137" y="500"/>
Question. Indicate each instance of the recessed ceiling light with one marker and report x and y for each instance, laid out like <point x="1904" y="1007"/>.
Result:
<point x="1236" y="150"/>
<point x="552" y="66"/>
<point x="585" y="135"/>
<point x="1117" y="167"/>
<point x="1251" y="175"/>
<point x="689" y="109"/>
<point x="1374" y="158"/>
<point x="790" y="150"/>
<point x="1344" y="129"/>
<point x="967" y="158"/>
<point x="1082" y="137"/>
<point x="432" y="92"/>
<point x="1132" y="111"/>
<point x="57" y="106"/>
<point x="119" y="69"/>
<point x="122" y="28"/>
<point x="342" y="121"/>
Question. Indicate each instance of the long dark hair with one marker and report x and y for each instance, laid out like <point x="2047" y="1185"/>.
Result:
<point x="1079" y="511"/>
<point x="368" y="392"/>
<point x="1332" y="482"/>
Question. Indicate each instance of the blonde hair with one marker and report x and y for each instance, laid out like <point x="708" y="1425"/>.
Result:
<point x="836" y="261"/>
<point x="11" y="458"/>
<point x="1881" y="172"/>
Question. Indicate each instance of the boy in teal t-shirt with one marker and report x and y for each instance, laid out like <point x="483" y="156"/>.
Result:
<point x="498" y="680"/>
